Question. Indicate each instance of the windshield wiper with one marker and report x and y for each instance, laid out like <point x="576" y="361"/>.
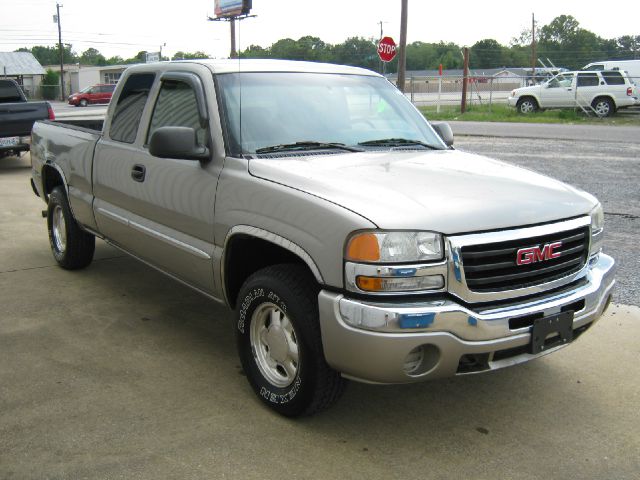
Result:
<point x="396" y="142"/>
<point x="306" y="145"/>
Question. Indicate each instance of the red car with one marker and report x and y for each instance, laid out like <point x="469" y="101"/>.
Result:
<point x="95" y="94"/>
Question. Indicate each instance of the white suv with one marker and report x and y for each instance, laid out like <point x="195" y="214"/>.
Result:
<point x="601" y="92"/>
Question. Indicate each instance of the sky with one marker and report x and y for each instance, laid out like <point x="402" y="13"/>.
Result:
<point x="125" y="27"/>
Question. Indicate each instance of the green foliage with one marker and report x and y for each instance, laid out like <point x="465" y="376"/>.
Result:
<point x="91" y="56"/>
<point x="189" y="56"/>
<point x="50" y="85"/>
<point x="51" y="55"/>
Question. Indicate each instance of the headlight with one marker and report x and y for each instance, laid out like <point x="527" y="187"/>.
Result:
<point x="597" y="219"/>
<point x="597" y="230"/>
<point x="395" y="262"/>
<point x="513" y="93"/>
<point x="394" y="247"/>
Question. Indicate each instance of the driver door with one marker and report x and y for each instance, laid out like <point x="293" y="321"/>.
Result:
<point x="558" y="92"/>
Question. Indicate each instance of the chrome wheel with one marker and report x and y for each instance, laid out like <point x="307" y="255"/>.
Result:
<point x="59" y="229"/>
<point x="527" y="107"/>
<point x="602" y="108"/>
<point x="274" y="345"/>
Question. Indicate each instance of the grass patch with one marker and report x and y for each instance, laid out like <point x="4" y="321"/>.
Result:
<point x="504" y="113"/>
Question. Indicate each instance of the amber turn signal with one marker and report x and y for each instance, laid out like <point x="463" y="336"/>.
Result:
<point x="363" y="247"/>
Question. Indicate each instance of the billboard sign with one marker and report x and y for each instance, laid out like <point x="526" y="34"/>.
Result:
<point x="232" y="8"/>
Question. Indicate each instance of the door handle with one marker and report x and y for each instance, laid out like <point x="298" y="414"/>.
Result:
<point x="138" y="172"/>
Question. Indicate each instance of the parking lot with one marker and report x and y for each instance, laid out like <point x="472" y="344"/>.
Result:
<point x="118" y="372"/>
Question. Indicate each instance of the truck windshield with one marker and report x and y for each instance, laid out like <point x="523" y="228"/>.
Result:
<point x="282" y="110"/>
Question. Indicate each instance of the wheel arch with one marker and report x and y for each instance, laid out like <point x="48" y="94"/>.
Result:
<point x="249" y="249"/>
<point x="531" y="96"/>
<point x="606" y="97"/>
<point x="52" y="177"/>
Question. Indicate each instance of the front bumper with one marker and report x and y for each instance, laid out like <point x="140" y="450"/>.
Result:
<point x="512" y="101"/>
<point x="457" y="340"/>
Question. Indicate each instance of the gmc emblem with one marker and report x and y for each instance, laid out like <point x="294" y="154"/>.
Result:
<point x="536" y="254"/>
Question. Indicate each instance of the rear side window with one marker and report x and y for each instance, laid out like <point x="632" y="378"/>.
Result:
<point x="9" y="92"/>
<point x="176" y="107"/>
<point x="133" y="98"/>
<point x="588" y="80"/>
<point x="613" y="78"/>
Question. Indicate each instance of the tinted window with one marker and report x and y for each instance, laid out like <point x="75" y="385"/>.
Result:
<point x="176" y="107"/>
<point x="9" y="92"/>
<point x="588" y="80"/>
<point x="613" y="78"/>
<point x="130" y="106"/>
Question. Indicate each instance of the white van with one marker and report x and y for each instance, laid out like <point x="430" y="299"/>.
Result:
<point x="632" y="67"/>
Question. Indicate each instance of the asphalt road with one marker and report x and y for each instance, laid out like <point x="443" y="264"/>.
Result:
<point x="116" y="372"/>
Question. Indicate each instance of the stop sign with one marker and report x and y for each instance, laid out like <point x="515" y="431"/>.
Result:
<point x="387" y="49"/>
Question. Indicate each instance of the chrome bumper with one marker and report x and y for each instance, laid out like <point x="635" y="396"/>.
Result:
<point x="366" y="341"/>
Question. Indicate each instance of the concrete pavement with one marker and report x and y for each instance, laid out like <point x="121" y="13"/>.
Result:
<point x="116" y="372"/>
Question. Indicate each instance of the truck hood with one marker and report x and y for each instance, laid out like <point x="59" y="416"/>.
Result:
<point x="446" y="191"/>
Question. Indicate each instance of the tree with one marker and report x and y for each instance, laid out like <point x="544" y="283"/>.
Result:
<point x="91" y="56"/>
<point x="488" y="53"/>
<point x="189" y="56"/>
<point x="561" y="30"/>
<point x="50" y="85"/>
<point x="628" y="46"/>
<point x="51" y="55"/>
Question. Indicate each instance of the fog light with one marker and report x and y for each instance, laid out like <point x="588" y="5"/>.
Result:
<point x="414" y="360"/>
<point x="421" y="360"/>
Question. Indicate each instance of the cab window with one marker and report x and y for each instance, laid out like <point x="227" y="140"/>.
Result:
<point x="128" y="111"/>
<point x="176" y="106"/>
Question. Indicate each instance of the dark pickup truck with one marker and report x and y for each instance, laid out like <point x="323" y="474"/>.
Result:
<point x="17" y="116"/>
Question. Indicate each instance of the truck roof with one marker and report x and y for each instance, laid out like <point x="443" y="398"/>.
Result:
<point x="261" y="65"/>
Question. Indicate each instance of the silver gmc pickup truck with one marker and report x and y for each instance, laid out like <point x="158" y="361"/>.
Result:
<point x="351" y="238"/>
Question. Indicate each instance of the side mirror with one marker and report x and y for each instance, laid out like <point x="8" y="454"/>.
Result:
<point x="444" y="131"/>
<point x="178" y="143"/>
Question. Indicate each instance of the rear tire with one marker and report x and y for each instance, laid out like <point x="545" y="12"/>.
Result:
<point x="279" y="342"/>
<point x="603" y="107"/>
<point x="71" y="247"/>
<point x="527" y="105"/>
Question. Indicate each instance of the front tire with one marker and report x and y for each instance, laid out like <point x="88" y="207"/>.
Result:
<point x="279" y="342"/>
<point x="83" y="103"/>
<point x="527" y="105"/>
<point x="71" y="246"/>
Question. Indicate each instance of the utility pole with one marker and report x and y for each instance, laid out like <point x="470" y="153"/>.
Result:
<point x="402" y="59"/>
<point x="61" y="52"/>
<point x="465" y="79"/>
<point x="533" y="47"/>
<point x="232" y="24"/>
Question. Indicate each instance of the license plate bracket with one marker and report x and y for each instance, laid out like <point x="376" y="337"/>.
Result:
<point x="561" y="323"/>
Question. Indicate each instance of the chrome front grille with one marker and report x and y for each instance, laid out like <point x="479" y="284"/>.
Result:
<point x="492" y="267"/>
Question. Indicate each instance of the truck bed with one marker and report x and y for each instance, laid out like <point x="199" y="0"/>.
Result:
<point x="66" y="149"/>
